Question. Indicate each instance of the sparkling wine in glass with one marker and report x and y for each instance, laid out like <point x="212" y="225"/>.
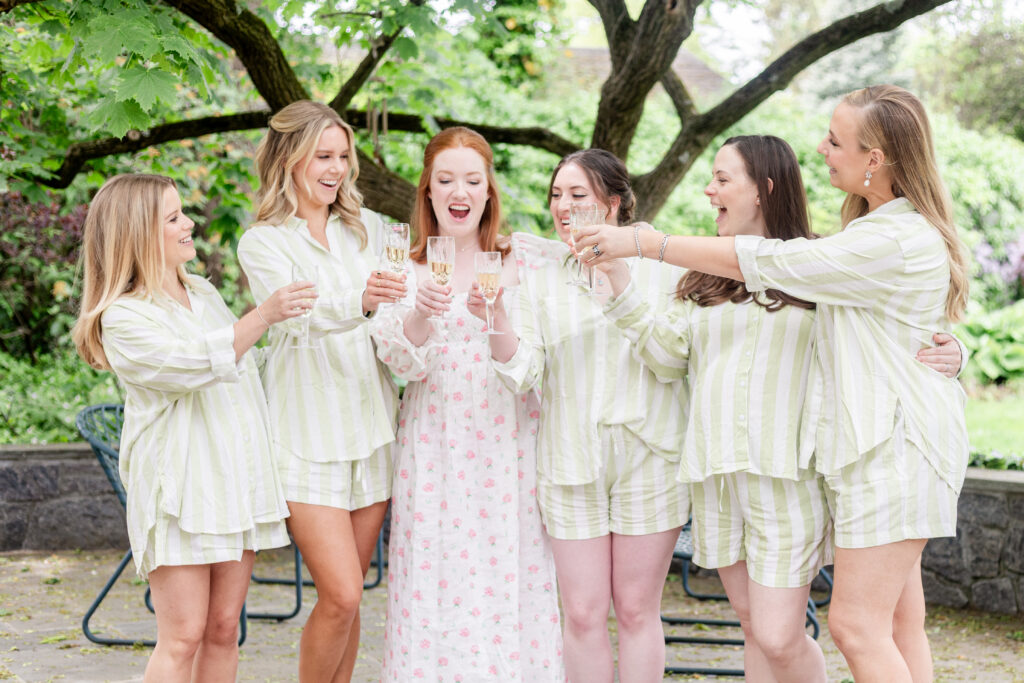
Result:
<point x="303" y="273"/>
<point x="488" y="276"/>
<point x="396" y="245"/>
<point x="581" y="215"/>
<point x="441" y="259"/>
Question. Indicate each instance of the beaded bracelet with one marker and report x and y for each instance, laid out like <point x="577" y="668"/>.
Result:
<point x="661" y="254"/>
<point x="636" y="238"/>
<point x="261" y="316"/>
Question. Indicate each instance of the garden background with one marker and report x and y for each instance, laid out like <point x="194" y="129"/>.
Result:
<point x="184" y="87"/>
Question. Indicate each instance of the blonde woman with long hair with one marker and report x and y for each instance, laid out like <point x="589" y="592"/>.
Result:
<point x="203" y="492"/>
<point x="332" y="405"/>
<point x="891" y="439"/>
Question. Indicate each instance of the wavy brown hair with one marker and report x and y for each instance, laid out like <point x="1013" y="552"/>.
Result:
<point x="608" y="177"/>
<point x="424" y="222"/>
<point x="894" y="121"/>
<point x="771" y="163"/>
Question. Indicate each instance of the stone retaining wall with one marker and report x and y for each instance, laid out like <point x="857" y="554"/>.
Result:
<point x="57" y="497"/>
<point x="983" y="567"/>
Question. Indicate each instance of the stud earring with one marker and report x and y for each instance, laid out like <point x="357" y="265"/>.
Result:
<point x="867" y="178"/>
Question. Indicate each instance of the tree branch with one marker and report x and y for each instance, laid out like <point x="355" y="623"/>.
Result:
<point x="81" y="152"/>
<point x="653" y="43"/>
<point x="8" y="5"/>
<point x="653" y="188"/>
<point x="680" y="96"/>
<point x="363" y="72"/>
<point x="254" y="44"/>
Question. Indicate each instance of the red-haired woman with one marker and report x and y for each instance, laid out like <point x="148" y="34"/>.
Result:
<point x="471" y="579"/>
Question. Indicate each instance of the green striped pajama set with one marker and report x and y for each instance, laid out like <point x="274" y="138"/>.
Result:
<point x="747" y="371"/>
<point x="891" y="437"/>
<point x="610" y="432"/>
<point x="195" y="453"/>
<point x="333" y="406"/>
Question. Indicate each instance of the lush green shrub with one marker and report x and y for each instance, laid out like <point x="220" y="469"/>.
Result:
<point x="995" y="340"/>
<point x="39" y="248"/>
<point x="39" y="401"/>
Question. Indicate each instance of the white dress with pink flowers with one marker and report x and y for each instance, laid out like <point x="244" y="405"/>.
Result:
<point x="471" y="579"/>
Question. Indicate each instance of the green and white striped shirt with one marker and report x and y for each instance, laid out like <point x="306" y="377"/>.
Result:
<point x="334" y="402"/>
<point x="881" y="287"/>
<point x="747" y="370"/>
<point x="587" y="373"/>
<point x="195" y="444"/>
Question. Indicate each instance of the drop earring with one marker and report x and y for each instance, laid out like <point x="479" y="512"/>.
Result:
<point x="867" y="178"/>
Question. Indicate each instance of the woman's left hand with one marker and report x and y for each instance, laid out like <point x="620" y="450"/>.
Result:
<point x="596" y="244"/>
<point x="944" y="358"/>
<point x="383" y="287"/>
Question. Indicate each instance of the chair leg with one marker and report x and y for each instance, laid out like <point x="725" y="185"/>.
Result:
<point x="96" y="603"/>
<point x="378" y="561"/>
<point x="296" y="581"/>
<point x="700" y="640"/>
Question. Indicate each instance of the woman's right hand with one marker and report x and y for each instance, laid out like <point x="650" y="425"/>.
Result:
<point x="290" y="301"/>
<point x="477" y="306"/>
<point x="432" y="299"/>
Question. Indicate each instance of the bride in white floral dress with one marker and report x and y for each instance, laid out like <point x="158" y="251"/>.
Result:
<point x="471" y="579"/>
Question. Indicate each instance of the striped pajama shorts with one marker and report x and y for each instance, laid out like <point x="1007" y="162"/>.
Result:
<point x="635" y="494"/>
<point x="781" y="528"/>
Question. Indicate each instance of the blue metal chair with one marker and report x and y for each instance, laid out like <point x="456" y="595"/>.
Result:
<point x="100" y="425"/>
<point x="684" y="553"/>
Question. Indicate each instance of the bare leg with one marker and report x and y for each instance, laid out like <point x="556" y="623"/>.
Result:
<point x="584" y="571"/>
<point x="366" y="527"/>
<point x="868" y="586"/>
<point x="217" y="657"/>
<point x="778" y="617"/>
<point x="908" y="628"/>
<point x="181" y="597"/>
<point x="639" y="567"/>
<point x="325" y="538"/>
<point x="736" y="581"/>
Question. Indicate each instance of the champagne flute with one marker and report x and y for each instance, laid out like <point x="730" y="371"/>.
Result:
<point x="441" y="259"/>
<point x="303" y="273"/>
<point x="581" y="215"/>
<point x="396" y="245"/>
<point x="488" y="276"/>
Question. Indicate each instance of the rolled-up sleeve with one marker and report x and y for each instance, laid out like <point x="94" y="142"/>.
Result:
<point x="524" y="370"/>
<point x="852" y="268"/>
<point x="141" y="352"/>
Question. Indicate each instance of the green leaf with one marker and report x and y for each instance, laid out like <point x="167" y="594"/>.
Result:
<point x="146" y="86"/>
<point x="111" y="36"/>
<point x="117" y="118"/>
<point x="406" y="48"/>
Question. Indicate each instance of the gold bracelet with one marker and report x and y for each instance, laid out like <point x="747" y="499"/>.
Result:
<point x="261" y="316"/>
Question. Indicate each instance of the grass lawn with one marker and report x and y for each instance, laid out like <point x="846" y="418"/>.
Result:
<point x="996" y="423"/>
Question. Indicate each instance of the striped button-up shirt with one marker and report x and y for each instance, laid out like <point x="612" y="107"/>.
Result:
<point x="747" y="370"/>
<point x="335" y="401"/>
<point x="881" y="287"/>
<point x="195" y="443"/>
<point x="587" y="374"/>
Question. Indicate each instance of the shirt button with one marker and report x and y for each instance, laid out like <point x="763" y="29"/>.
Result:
<point x="747" y="353"/>
<point x="742" y="418"/>
<point x="743" y="382"/>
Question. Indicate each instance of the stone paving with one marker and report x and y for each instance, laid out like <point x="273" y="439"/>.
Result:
<point x="44" y="595"/>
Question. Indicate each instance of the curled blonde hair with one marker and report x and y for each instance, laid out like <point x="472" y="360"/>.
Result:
<point x="894" y="121"/>
<point x="289" y="144"/>
<point x="122" y="254"/>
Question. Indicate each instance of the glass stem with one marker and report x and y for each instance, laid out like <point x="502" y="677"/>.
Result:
<point x="490" y="316"/>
